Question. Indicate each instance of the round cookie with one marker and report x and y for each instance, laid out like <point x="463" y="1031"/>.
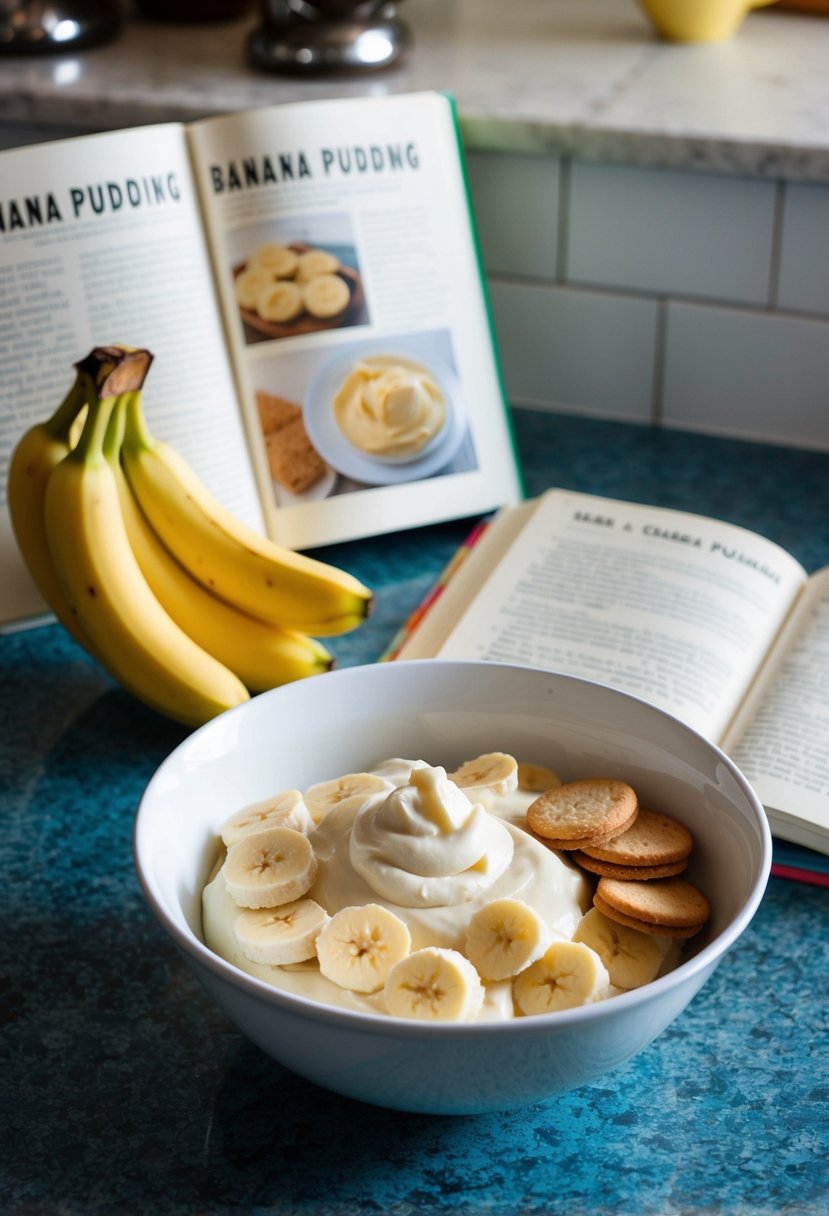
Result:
<point x="581" y="811"/>
<point x="569" y="845"/>
<point x="607" y="869"/>
<point x="653" y="839"/>
<point x="643" y="926"/>
<point x="671" y="906"/>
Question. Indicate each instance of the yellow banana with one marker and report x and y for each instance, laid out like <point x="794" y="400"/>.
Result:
<point x="37" y="453"/>
<point x="133" y="636"/>
<point x="230" y="559"/>
<point x="262" y="656"/>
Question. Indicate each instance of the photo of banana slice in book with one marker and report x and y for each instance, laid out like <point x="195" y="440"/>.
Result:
<point x="288" y="289"/>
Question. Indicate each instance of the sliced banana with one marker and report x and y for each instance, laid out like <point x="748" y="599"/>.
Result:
<point x="434" y="985"/>
<point x="325" y="795"/>
<point x="249" y="286"/>
<point x="326" y="296"/>
<point x="359" y="946"/>
<point x="280" y="936"/>
<point x="631" y="958"/>
<point x="269" y="868"/>
<point x="536" y="778"/>
<point x="280" y="261"/>
<point x="568" y="974"/>
<point x="504" y="937"/>
<point x="495" y="771"/>
<point x="280" y="301"/>
<point x="316" y="262"/>
<point x="285" y="810"/>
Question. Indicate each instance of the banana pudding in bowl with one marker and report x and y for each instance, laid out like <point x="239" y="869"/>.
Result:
<point x="493" y="1048"/>
<point x="416" y="893"/>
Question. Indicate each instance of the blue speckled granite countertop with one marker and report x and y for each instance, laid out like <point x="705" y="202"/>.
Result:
<point x="124" y="1090"/>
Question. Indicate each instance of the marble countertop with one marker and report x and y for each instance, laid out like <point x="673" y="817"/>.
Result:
<point x="124" y="1090"/>
<point x="588" y="78"/>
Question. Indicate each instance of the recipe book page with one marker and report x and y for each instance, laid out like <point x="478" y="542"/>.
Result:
<point x="674" y="608"/>
<point x="780" y="736"/>
<point x="101" y="242"/>
<point x="369" y="194"/>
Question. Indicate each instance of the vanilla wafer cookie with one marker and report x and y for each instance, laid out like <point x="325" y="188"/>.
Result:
<point x="608" y="869"/>
<point x="567" y="845"/>
<point x="654" y="839"/>
<point x="580" y="811"/>
<point x="672" y="907"/>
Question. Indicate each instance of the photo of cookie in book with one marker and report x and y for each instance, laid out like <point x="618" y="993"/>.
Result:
<point x="295" y="465"/>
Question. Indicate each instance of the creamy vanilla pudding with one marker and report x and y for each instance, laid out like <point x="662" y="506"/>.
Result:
<point x="412" y="892"/>
<point x="389" y="406"/>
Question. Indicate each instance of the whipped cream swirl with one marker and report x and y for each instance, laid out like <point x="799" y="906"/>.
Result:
<point x="425" y="845"/>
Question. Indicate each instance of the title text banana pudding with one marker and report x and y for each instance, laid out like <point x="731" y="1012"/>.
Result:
<point x="389" y="406"/>
<point x="416" y="893"/>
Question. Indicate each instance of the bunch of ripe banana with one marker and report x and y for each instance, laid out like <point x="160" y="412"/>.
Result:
<point x="183" y="604"/>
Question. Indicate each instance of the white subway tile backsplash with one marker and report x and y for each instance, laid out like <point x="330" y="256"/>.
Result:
<point x="515" y="200"/>
<point x="576" y="350"/>
<point x="751" y="375"/>
<point x="804" y="255"/>
<point x="670" y="232"/>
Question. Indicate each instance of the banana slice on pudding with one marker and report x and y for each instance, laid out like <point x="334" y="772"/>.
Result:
<point x="434" y="985"/>
<point x="359" y="946"/>
<point x="269" y="868"/>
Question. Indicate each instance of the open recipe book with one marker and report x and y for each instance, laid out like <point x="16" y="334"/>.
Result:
<point x="711" y="622"/>
<point x="307" y="278"/>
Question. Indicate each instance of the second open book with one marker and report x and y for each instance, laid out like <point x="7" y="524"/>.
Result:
<point x="711" y="622"/>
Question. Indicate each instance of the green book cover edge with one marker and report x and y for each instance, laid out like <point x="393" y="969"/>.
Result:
<point x="453" y="110"/>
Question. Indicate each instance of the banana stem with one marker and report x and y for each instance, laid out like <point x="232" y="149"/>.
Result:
<point x="116" y="369"/>
<point x="90" y="446"/>
<point x="110" y="376"/>
<point x="114" y="434"/>
<point x="136" y="432"/>
<point x="60" y="424"/>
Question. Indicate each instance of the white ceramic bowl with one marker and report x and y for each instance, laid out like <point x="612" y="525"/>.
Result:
<point x="446" y="712"/>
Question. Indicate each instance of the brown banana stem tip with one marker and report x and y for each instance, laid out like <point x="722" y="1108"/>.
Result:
<point x="115" y="369"/>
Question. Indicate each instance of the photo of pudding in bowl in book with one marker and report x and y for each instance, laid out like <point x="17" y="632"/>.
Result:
<point x="391" y="408"/>
<point x="388" y="411"/>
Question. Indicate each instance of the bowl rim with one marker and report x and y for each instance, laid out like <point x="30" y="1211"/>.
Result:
<point x="360" y="1021"/>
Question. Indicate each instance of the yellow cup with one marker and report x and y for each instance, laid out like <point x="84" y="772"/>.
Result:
<point x="699" y="20"/>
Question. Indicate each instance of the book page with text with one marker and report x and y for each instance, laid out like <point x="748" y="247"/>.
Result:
<point x="356" y="314"/>
<point x="101" y="242"/>
<point x="780" y="736"/>
<point x="677" y="609"/>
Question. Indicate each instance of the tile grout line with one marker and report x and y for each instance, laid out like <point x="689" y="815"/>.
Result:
<point x="775" y="263"/>
<point x="640" y="293"/>
<point x="659" y="361"/>
<point x="563" y="234"/>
